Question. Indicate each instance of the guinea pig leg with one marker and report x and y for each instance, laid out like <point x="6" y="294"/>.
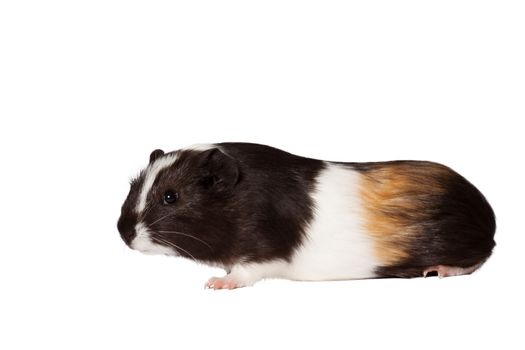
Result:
<point x="236" y="278"/>
<point x="447" y="271"/>
<point x="244" y="275"/>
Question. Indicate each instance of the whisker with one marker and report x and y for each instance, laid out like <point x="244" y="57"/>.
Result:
<point x="160" y="240"/>
<point x="162" y="218"/>
<point x="187" y="235"/>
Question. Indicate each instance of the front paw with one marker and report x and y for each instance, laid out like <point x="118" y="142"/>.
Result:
<point x="226" y="282"/>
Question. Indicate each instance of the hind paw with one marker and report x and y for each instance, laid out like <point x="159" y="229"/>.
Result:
<point x="447" y="271"/>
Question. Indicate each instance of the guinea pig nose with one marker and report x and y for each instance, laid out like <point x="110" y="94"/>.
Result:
<point x="126" y="227"/>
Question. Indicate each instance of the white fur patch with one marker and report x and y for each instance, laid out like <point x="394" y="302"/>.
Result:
<point x="143" y="243"/>
<point x="337" y="246"/>
<point x="200" y="147"/>
<point x="151" y="174"/>
<point x="248" y="274"/>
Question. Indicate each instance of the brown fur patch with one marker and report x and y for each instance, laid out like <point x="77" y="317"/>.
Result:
<point x="398" y="198"/>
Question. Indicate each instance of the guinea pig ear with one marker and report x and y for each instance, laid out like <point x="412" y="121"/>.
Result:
<point x="221" y="170"/>
<point x="155" y="155"/>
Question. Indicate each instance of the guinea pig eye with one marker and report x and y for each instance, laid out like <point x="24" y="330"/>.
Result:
<point x="170" y="197"/>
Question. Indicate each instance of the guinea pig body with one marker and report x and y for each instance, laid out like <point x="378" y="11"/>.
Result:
<point x="260" y="212"/>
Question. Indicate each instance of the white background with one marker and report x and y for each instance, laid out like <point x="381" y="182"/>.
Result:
<point x="89" y="88"/>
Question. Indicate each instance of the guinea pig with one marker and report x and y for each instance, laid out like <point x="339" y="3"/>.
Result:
<point x="259" y="212"/>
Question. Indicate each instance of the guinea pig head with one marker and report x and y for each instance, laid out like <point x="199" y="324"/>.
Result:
<point x="181" y="204"/>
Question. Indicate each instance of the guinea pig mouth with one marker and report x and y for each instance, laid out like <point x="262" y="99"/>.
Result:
<point x="145" y="244"/>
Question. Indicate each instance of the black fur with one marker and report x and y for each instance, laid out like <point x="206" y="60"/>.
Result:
<point x="128" y="218"/>
<point x="246" y="202"/>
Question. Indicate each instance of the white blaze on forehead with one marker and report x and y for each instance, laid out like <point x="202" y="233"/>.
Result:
<point x="151" y="174"/>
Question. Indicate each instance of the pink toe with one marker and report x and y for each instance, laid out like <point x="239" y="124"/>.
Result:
<point x="216" y="283"/>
